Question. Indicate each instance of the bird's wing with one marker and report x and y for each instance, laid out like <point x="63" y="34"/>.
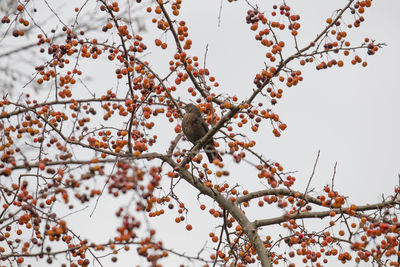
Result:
<point x="204" y="125"/>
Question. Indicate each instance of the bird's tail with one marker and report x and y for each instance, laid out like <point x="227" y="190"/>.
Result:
<point x="212" y="153"/>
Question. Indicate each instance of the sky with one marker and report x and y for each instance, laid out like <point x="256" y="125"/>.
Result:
<point x="350" y="114"/>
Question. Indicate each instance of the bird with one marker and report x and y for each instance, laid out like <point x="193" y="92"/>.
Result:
<point x="194" y="127"/>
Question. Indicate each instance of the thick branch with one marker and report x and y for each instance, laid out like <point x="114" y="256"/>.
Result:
<point x="278" y="192"/>
<point x="248" y="228"/>
<point x="320" y="214"/>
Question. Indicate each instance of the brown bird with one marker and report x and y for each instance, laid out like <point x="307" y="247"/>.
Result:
<point x="194" y="127"/>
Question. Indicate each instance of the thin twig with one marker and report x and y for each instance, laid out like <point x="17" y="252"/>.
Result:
<point x="312" y="174"/>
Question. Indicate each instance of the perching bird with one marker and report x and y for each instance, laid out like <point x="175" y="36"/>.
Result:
<point x="194" y="127"/>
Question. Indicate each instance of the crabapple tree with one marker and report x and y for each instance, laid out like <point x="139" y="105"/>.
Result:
<point x="65" y="144"/>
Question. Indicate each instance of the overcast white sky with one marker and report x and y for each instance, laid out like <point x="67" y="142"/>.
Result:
<point x="350" y="114"/>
